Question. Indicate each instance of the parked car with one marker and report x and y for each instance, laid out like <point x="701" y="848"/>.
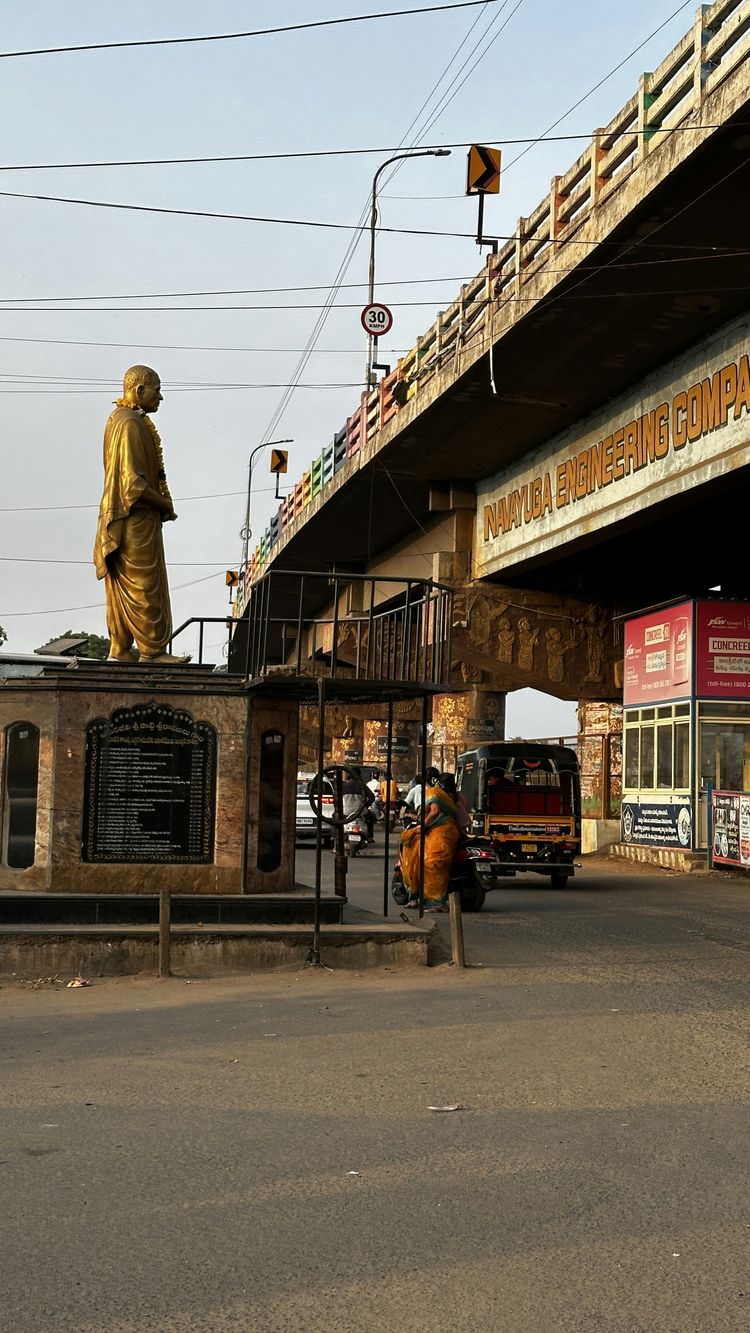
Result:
<point x="307" y="820"/>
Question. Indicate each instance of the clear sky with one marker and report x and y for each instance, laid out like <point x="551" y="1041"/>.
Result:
<point x="354" y="86"/>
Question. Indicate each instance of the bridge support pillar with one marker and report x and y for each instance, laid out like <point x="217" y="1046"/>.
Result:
<point x="461" y="721"/>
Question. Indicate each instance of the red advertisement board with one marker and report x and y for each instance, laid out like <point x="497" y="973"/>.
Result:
<point x="722" y="657"/>
<point x="659" y="655"/>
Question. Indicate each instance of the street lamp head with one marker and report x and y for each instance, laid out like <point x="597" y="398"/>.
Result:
<point x="441" y="152"/>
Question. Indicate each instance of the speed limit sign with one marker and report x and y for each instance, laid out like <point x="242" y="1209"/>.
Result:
<point x="377" y="319"/>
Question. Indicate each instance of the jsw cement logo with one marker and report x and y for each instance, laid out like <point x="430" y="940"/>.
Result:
<point x="727" y="622"/>
<point x="632" y="651"/>
<point x="682" y="637"/>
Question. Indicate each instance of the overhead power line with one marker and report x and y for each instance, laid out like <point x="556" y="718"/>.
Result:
<point x="385" y="284"/>
<point x="238" y="36"/>
<point x="341" y="272"/>
<point x="343" y="305"/>
<point x="234" y="291"/>
<point x="185" y="347"/>
<point x="543" y="137"/>
<point x="230" y="217"/>
<point x="55" y="560"/>
<point x="96" y="606"/>
<point x="492" y="138"/>
<point x="179" y="499"/>
<point x="296" y="222"/>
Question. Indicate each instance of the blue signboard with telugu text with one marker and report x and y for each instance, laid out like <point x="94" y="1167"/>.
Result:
<point x="661" y="824"/>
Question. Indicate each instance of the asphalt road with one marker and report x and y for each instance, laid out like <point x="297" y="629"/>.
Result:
<point x="179" y="1156"/>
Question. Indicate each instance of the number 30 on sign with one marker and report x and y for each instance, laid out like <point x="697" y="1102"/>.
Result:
<point x="377" y="320"/>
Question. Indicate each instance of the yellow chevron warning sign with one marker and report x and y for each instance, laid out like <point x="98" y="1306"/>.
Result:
<point x="279" y="460"/>
<point x="483" y="170"/>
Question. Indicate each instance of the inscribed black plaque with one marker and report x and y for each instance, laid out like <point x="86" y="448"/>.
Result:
<point x="150" y="787"/>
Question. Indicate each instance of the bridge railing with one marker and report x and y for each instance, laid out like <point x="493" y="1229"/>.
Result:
<point x="716" y="44"/>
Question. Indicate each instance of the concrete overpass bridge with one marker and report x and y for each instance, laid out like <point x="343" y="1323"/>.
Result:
<point x="569" y="438"/>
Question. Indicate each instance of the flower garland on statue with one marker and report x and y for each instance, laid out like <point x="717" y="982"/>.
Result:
<point x="156" y="437"/>
<point x="163" y="486"/>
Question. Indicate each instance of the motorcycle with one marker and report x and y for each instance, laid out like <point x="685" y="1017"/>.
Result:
<point x="473" y="872"/>
<point x="356" y="836"/>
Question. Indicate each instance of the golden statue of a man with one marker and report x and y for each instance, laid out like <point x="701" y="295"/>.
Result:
<point x="129" y="550"/>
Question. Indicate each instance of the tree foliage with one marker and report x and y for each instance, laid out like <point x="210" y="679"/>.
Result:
<point x="95" y="646"/>
<point x="3" y="635"/>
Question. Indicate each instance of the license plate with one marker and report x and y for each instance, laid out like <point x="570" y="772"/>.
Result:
<point x="305" y="821"/>
<point x="528" y="846"/>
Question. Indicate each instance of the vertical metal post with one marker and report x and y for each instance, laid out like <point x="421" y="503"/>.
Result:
<point x="422" y="830"/>
<point x="339" y="854"/>
<point x="480" y="219"/>
<point x="335" y="629"/>
<point x="165" y="937"/>
<point x="250" y="612"/>
<point x="200" y="643"/>
<point x="403" y="637"/>
<point x="313" y="957"/>
<point x="457" y="930"/>
<point x="388" y="777"/>
<point x="266" y="617"/>
<point x="299" y="625"/>
<point x="370" y="657"/>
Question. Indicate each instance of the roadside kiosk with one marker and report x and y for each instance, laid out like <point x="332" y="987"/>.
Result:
<point x="686" y="719"/>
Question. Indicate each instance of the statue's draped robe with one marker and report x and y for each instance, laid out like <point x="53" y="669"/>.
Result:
<point x="129" y="551"/>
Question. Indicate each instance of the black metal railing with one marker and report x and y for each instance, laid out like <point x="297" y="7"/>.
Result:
<point x="345" y="626"/>
<point x="201" y="622"/>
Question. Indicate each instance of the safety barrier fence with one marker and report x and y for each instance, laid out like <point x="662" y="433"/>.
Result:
<point x="717" y="43"/>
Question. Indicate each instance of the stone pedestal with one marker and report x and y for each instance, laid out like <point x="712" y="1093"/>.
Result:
<point x="150" y="779"/>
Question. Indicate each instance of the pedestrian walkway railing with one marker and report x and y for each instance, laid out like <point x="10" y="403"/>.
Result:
<point x="345" y="627"/>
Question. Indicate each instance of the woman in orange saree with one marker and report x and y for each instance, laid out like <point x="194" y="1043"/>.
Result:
<point x="441" y="835"/>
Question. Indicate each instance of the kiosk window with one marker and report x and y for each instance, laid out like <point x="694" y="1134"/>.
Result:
<point x="664" y="756"/>
<point x="682" y="756"/>
<point x="631" y="757"/>
<point x="20" y="795"/>
<point x="647" y="757"/>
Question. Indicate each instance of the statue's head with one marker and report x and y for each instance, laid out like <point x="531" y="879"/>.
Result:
<point x="141" y="387"/>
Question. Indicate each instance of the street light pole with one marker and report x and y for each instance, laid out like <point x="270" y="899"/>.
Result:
<point x="245" y="530"/>
<point x="398" y="157"/>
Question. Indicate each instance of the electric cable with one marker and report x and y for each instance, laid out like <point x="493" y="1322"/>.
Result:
<point x="183" y="347"/>
<point x="446" y="100"/>
<point x="349" y="152"/>
<point x="343" y="268"/>
<point x="615" y="70"/>
<point x="274" y="221"/>
<point x="6" y="301"/>
<point x="178" y="499"/>
<point x="233" y="291"/>
<point x="96" y="606"/>
<point x="237" y="36"/>
<point x="346" y="305"/>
